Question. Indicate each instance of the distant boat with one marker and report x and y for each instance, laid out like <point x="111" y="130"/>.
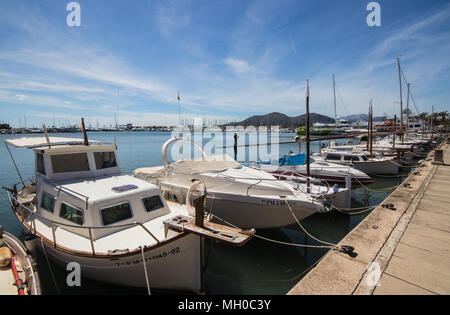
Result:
<point x="376" y="165"/>
<point x="329" y="172"/>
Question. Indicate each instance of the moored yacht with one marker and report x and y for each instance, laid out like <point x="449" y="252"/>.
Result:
<point x="243" y="196"/>
<point x="375" y="165"/>
<point x="323" y="170"/>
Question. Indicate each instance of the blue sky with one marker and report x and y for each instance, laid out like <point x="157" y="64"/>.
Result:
<point x="228" y="59"/>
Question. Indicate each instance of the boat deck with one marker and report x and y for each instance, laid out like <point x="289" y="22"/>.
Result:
<point x="7" y="286"/>
<point x="401" y="251"/>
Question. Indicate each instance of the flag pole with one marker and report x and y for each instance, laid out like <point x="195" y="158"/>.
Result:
<point x="179" y="109"/>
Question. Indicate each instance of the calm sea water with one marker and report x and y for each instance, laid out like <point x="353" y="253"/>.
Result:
<point x="259" y="267"/>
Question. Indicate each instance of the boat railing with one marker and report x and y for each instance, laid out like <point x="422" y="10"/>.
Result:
<point x="300" y="177"/>
<point x="54" y="224"/>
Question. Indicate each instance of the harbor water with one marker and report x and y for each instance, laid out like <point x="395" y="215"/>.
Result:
<point x="259" y="267"/>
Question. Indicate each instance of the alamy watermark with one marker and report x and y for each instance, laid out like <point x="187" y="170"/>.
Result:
<point x="374" y="17"/>
<point x="74" y="17"/>
<point x="73" y="279"/>
<point x="373" y="275"/>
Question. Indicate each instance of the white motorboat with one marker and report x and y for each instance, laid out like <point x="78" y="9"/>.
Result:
<point x="243" y="196"/>
<point x="84" y="210"/>
<point x="323" y="170"/>
<point x="375" y="165"/>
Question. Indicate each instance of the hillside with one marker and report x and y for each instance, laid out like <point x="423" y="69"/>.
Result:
<point x="282" y="120"/>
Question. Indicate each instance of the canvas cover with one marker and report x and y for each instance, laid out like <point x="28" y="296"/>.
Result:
<point x="36" y="142"/>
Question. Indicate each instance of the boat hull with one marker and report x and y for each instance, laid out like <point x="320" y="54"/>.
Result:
<point x="387" y="167"/>
<point x="174" y="266"/>
<point x="261" y="212"/>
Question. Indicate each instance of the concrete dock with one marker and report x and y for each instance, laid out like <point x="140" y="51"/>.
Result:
<point x="401" y="251"/>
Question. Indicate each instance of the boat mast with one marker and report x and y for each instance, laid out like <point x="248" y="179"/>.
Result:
<point x="86" y="141"/>
<point x="371" y="128"/>
<point x="308" y="170"/>
<point x="334" y="97"/>
<point x="401" y="99"/>
<point x="431" y="120"/>
<point x="395" y="132"/>
<point x="407" y="112"/>
<point x="368" y="129"/>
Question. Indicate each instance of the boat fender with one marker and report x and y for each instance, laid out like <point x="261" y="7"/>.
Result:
<point x="197" y="185"/>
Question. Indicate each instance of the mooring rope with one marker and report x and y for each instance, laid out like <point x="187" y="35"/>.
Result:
<point x="145" y="271"/>
<point x="374" y="190"/>
<point x="49" y="267"/>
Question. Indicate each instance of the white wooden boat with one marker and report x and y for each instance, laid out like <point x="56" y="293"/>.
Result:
<point x="115" y="226"/>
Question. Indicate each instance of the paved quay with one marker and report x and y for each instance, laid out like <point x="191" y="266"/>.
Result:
<point x="401" y="251"/>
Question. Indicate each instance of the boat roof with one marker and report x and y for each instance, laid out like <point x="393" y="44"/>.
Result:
<point x="108" y="187"/>
<point x="37" y="142"/>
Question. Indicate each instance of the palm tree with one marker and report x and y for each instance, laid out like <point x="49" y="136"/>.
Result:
<point x="443" y="115"/>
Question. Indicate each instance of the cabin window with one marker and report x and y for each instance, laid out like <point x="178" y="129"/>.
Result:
<point x="64" y="163"/>
<point x="72" y="214"/>
<point x="347" y="158"/>
<point x="334" y="157"/>
<point x="105" y="160"/>
<point x="48" y="202"/>
<point x="364" y="157"/>
<point x="153" y="203"/>
<point x="116" y="213"/>
<point x="40" y="167"/>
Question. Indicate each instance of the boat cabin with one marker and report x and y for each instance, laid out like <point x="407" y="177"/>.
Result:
<point x="344" y="157"/>
<point x="81" y="186"/>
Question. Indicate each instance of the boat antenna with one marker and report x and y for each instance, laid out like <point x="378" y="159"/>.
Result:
<point x="83" y="128"/>
<point x="308" y="170"/>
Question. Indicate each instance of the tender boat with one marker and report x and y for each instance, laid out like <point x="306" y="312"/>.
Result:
<point x="18" y="273"/>
<point x="84" y="210"/>
<point x="323" y="170"/>
<point x="243" y="196"/>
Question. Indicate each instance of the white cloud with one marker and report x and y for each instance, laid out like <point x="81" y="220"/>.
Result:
<point x="21" y="97"/>
<point x="239" y="65"/>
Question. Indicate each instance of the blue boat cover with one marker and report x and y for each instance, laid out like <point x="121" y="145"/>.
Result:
<point x="299" y="159"/>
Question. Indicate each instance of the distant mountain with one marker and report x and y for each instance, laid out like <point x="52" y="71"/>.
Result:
<point x="282" y="120"/>
<point x="356" y="117"/>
